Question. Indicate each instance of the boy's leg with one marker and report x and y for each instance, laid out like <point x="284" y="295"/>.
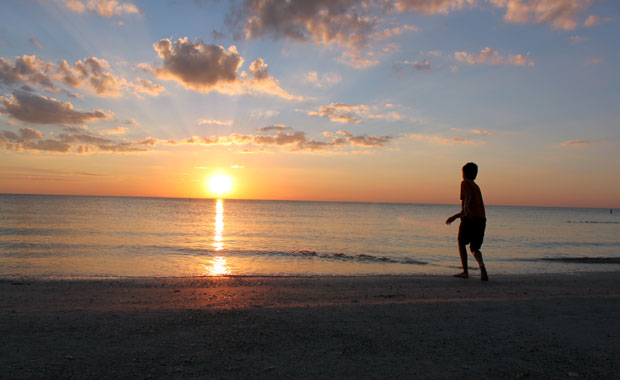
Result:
<point x="483" y="270"/>
<point x="463" y="253"/>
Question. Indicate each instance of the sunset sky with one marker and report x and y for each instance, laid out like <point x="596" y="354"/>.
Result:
<point x="344" y="100"/>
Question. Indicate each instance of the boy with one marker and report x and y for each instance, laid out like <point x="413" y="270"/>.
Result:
<point x="473" y="221"/>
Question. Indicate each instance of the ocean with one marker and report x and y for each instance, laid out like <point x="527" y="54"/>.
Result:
<point x="50" y="237"/>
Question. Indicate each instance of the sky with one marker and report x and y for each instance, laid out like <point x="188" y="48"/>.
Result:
<point x="330" y="100"/>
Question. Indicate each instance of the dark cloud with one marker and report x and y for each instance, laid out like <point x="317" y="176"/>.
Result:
<point x="197" y="65"/>
<point x="83" y="142"/>
<point x="30" y="139"/>
<point x="273" y="128"/>
<point x="204" y="68"/>
<point x="38" y="109"/>
<point x="48" y="145"/>
<point x="323" y="22"/>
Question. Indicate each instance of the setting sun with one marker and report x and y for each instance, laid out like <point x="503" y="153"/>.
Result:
<point x="219" y="184"/>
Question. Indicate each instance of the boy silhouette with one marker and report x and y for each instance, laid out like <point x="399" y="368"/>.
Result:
<point x="473" y="221"/>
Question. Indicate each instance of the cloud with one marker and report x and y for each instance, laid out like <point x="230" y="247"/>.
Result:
<point x="205" y="68"/>
<point x="221" y="123"/>
<point x="266" y="114"/>
<point x="577" y="39"/>
<point x="33" y="71"/>
<point x="594" y="20"/>
<point x="29" y="70"/>
<point x="424" y="65"/>
<point x="296" y="141"/>
<point x="43" y="110"/>
<point x="93" y="71"/>
<point x="393" y="31"/>
<point x="561" y="14"/>
<point x="575" y="143"/>
<point x="341" y="113"/>
<point x="273" y="128"/>
<point x="594" y="61"/>
<point x="145" y="86"/>
<point x="115" y="131"/>
<point x="346" y="113"/>
<point x="104" y="8"/>
<point x="80" y="142"/>
<point x="482" y="132"/>
<point x="36" y="43"/>
<point x="357" y="60"/>
<point x="322" y="22"/>
<point x="431" y="6"/>
<point x="75" y="6"/>
<point x="325" y="81"/>
<point x="30" y="139"/>
<point x="440" y="140"/>
<point x="492" y="57"/>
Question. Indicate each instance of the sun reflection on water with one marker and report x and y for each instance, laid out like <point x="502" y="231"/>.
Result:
<point x="218" y="266"/>
<point x="218" y="240"/>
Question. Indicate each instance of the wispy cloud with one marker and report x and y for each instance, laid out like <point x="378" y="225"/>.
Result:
<point x="594" y="61"/>
<point x="220" y="123"/>
<point x="595" y="20"/>
<point x="561" y="14"/>
<point x="431" y="6"/>
<point x="341" y="113"/>
<point x="424" y="65"/>
<point x="492" y="57"/>
<point x="481" y="132"/>
<point x="291" y="140"/>
<point x="440" y="140"/>
<point x="324" y="81"/>
<point x="35" y="43"/>
<point x="575" y="143"/>
<point x="577" y="39"/>
<point x="103" y="8"/>
<point x="348" y="113"/>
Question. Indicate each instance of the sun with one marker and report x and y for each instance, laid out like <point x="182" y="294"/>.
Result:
<point x="219" y="184"/>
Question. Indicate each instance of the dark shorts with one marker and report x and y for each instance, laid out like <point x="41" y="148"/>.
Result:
<point x="471" y="231"/>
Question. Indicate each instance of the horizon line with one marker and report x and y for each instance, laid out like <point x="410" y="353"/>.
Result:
<point x="298" y="200"/>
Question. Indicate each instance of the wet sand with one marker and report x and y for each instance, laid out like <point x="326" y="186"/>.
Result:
<point x="430" y="327"/>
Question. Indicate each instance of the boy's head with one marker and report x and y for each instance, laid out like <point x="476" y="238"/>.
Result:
<point x="470" y="171"/>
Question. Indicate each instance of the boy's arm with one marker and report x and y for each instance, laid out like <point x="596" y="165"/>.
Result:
<point x="453" y="218"/>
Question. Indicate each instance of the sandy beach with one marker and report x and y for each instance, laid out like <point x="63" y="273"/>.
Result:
<point x="432" y="327"/>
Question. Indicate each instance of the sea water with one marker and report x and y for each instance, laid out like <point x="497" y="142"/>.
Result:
<point x="92" y="237"/>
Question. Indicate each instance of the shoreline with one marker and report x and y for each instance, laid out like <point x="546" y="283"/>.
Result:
<point x="426" y="326"/>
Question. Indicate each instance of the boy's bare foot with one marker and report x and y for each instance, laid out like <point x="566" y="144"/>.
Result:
<point x="483" y="274"/>
<point x="462" y="275"/>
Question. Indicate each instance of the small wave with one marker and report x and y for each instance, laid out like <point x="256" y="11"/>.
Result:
<point x="592" y="222"/>
<point x="583" y="260"/>
<point x="340" y="256"/>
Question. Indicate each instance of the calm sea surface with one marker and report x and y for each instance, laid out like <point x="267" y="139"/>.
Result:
<point x="71" y="236"/>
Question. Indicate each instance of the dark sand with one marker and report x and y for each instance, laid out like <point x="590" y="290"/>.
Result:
<point x="427" y="327"/>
